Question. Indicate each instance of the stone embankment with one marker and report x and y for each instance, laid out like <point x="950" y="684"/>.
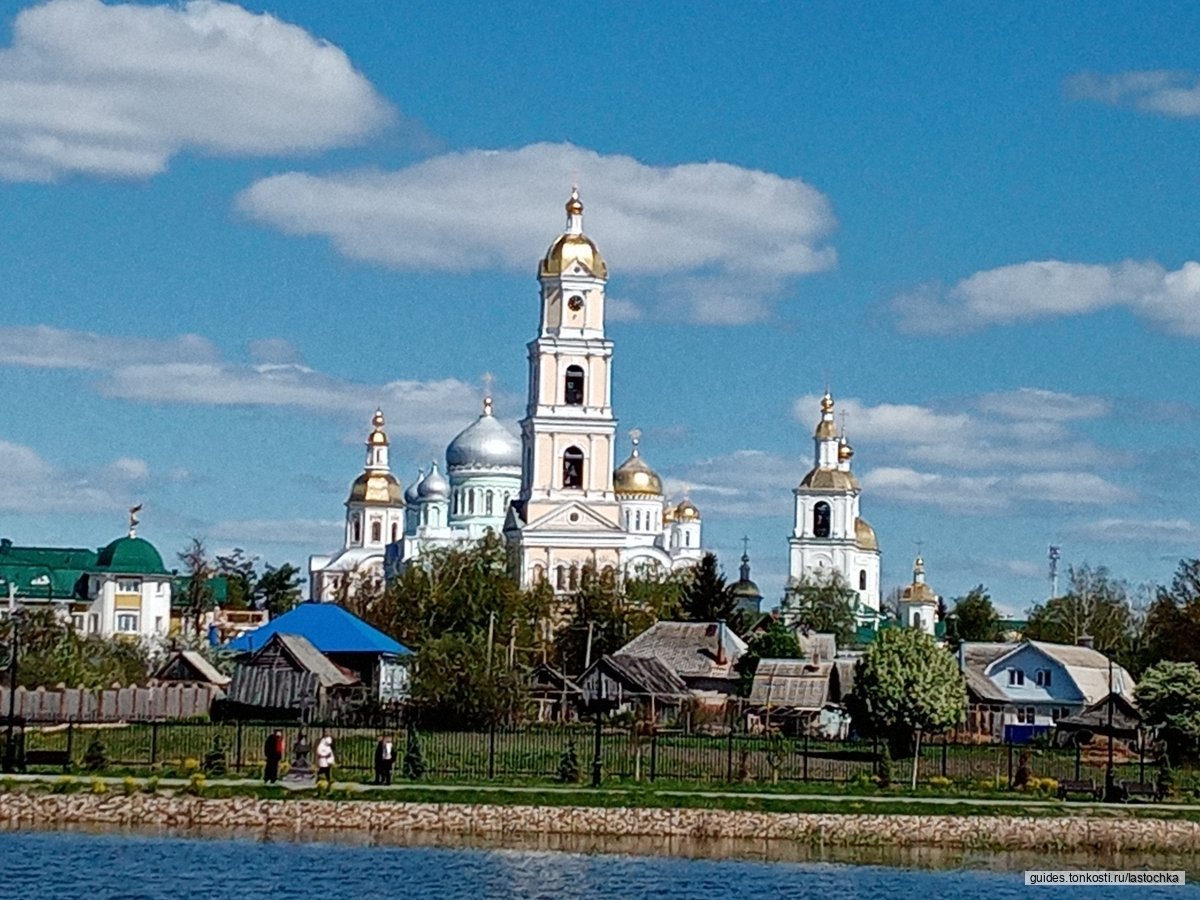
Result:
<point x="297" y="817"/>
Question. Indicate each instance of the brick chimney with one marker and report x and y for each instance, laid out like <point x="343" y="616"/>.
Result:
<point x="1085" y="640"/>
<point x="721" y="642"/>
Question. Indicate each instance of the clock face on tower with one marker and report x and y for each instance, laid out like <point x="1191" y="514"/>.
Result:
<point x="575" y="304"/>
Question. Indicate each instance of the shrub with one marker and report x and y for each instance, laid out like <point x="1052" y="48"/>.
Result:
<point x="414" y="759"/>
<point x="151" y="786"/>
<point x="98" y="786"/>
<point x="196" y="785"/>
<point x="130" y="785"/>
<point x="1024" y="771"/>
<point x="215" y="762"/>
<point x="64" y="785"/>
<point x="190" y="765"/>
<point x="322" y="787"/>
<point x="95" y="757"/>
<point x="568" y="765"/>
<point x="940" y="781"/>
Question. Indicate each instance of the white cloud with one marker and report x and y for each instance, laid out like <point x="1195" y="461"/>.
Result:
<point x="43" y="347"/>
<point x="989" y="493"/>
<point x="1168" y="93"/>
<point x="735" y="236"/>
<point x="1141" y="531"/>
<point x="118" y="90"/>
<point x="33" y="485"/>
<point x="747" y="483"/>
<point x="1039" y="404"/>
<point x="292" y="532"/>
<point x="1034" y="290"/>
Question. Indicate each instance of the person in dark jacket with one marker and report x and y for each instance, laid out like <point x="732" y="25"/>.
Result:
<point x="273" y="753"/>
<point x="385" y="758"/>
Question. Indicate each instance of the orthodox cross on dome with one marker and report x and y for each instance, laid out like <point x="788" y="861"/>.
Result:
<point x="488" y="380"/>
<point x="635" y="436"/>
<point x="133" y="519"/>
<point x="745" y="546"/>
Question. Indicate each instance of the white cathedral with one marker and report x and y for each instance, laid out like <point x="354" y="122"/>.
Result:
<point x="554" y="493"/>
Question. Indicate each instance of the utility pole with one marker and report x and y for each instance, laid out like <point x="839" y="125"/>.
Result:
<point x="1054" y="557"/>
<point x="491" y="637"/>
<point x="587" y="655"/>
<point x="10" y="749"/>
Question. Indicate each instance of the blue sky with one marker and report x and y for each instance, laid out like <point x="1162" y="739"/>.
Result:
<point x="227" y="236"/>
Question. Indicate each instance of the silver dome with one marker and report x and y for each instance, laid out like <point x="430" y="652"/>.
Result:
<point x="484" y="444"/>
<point x="433" y="486"/>
<point x="412" y="495"/>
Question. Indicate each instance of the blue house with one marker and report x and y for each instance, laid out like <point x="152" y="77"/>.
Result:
<point x="1032" y="684"/>
<point x="378" y="661"/>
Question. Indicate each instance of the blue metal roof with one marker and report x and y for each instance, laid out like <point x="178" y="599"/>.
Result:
<point x="328" y="627"/>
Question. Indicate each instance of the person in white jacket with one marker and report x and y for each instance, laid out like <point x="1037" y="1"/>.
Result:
<point x="325" y="758"/>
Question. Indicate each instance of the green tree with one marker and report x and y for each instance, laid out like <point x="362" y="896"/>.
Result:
<point x="277" y="589"/>
<point x="707" y="598"/>
<point x="1096" y="605"/>
<point x="1168" y="696"/>
<point x="240" y="578"/>
<point x="458" y="681"/>
<point x="777" y="641"/>
<point x="414" y="756"/>
<point x="903" y="682"/>
<point x="1172" y="629"/>
<point x="823" y="603"/>
<point x="974" y="616"/>
<point x="51" y="653"/>
<point x="198" y="571"/>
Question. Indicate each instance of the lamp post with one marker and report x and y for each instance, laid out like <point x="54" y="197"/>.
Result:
<point x="1110" y="781"/>
<point x="10" y="750"/>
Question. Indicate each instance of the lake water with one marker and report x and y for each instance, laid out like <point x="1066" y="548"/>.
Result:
<point x="139" y="866"/>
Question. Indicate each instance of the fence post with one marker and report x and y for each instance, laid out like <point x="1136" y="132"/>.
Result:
<point x="945" y="753"/>
<point x="1010" y="765"/>
<point x="154" y="742"/>
<point x="492" y="751"/>
<point x="805" y="775"/>
<point x="653" y="754"/>
<point x="1078" y="760"/>
<point x="237" y="756"/>
<point x="70" y="742"/>
<point x="729" y="757"/>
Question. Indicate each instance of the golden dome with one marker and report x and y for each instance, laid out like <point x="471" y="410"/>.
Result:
<point x="574" y="246"/>
<point x="826" y="429"/>
<point x="635" y="477"/>
<point x="919" y="591"/>
<point x="820" y="479"/>
<point x="669" y="513"/>
<point x="377" y="487"/>
<point x="827" y="402"/>
<point x="377" y="437"/>
<point x="864" y="535"/>
<point x="687" y="511"/>
<point x="845" y="451"/>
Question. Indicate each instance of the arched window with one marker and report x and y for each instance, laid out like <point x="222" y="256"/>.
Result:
<point x="637" y="520"/>
<point x="457" y="504"/>
<point x="539" y="574"/>
<point x="687" y="539"/>
<point x="574" y="577"/>
<point x="572" y="466"/>
<point x="821" y="520"/>
<point x="471" y="502"/>
<point x="862" y="579"/>
<point x="573" y="386"/>
<point x="395" y="532"/>
<point x="627" y="525"/>
<point x="376" y="532"/>
<point x="355" y="530"/>
<point x="488" y="501"/>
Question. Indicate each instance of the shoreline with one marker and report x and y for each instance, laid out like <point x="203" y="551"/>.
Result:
<point x="1084" y="833"/>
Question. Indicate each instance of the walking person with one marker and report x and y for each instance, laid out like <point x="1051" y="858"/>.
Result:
<point x="273" y="753"/>
<point x="385" y="758"/>
<point x="325" y="758"/>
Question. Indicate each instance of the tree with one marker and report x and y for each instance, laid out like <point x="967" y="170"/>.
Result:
<point x="974" y="616"/>
<point x="776" y="642"/>
<point x="1168" y="696"/>
<point x="823" y="603"/>
<point x="903" y="682"/>
<point x="1096" y="605"/>
<point x="240" y="578"/>
<point x="198" y="597"/>
<point x="51" y="653"/>
<point x="458" y="682"/>
<point x="414" y="757"/>
<point x="277" y="590"/>
<point x="1172" y="629"/>
<point x="707" y="598"/>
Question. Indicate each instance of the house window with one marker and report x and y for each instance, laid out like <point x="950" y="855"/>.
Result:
<point x="158" y="625"/>
<point x="821" y="520"/>
<point x="574" y="578"/>
<point x="560" y="578"/>
<point x="376" y="532"/>
<point x="572" y="465"/>
<point x="77" y="622"/>
<point x="93" y="623"/>
<point x="573" y="386"/>
<point x="862" y="579"/>
<point x="129" y="586"/>
<point x="1043" y="677"/>
<point x="127" y="623"/>
<point x="1016" y="678"/>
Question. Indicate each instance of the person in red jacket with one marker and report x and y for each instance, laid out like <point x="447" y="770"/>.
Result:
<point x="273" y="752"/>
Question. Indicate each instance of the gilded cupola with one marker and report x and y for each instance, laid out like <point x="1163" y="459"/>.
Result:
<point x="687" y="511"/>
<point x="573" y="246"/>
<point x="634" y="477"/>
<point x="826" y="428"/>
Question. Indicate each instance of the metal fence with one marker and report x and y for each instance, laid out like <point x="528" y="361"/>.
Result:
<point x="538" y="752"/>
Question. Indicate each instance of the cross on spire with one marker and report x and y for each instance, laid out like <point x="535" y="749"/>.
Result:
<point x="745" y="545"/>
